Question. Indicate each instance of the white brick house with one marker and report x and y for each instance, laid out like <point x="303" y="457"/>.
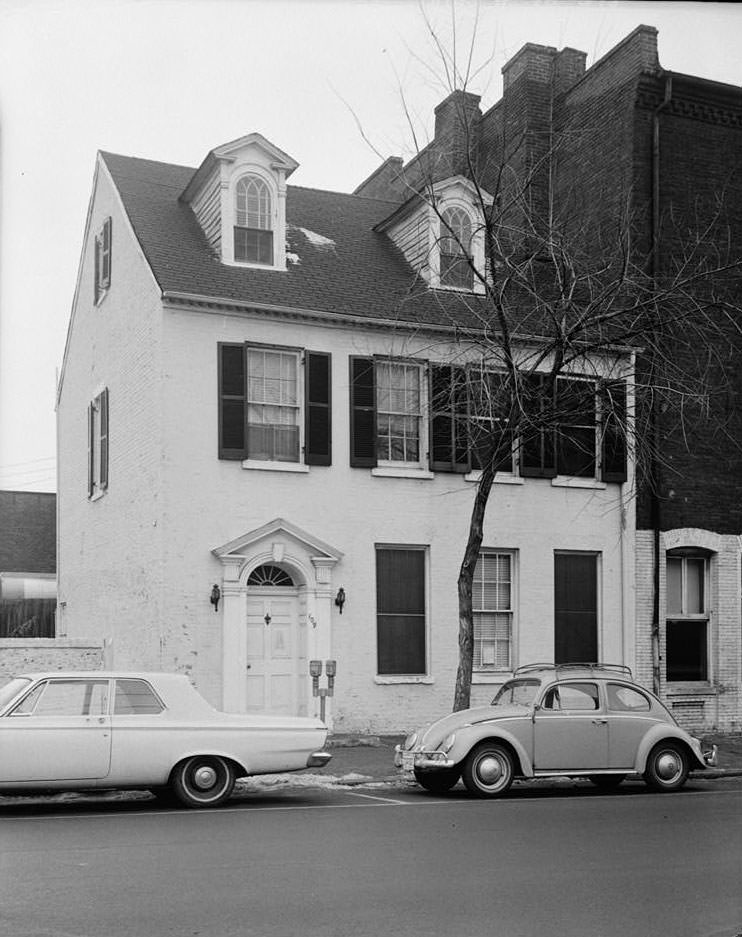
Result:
<point x="245" y="403"/>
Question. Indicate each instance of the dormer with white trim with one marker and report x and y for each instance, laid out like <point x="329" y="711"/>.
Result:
<point x="438" y="231"/>
<point x="238" y="195"/>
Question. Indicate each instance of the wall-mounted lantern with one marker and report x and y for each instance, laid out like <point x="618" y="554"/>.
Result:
<point x="340" y="599"/>
<point x="216" y="594"/>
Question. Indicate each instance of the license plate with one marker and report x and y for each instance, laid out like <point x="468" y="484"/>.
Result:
<point x="408" y="761"/>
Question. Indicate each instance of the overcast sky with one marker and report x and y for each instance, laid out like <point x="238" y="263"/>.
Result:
<point x="171" y="79"/>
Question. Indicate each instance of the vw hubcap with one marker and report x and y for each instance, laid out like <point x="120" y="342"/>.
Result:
<point x="668" y="765"/>
<point x="490" y="769"/>
<point x="204" y="777"/>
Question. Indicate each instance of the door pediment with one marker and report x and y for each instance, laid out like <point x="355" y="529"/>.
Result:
<point x="279" y="541"/>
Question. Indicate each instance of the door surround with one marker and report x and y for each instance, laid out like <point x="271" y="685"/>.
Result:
<point x="310" y="562"/>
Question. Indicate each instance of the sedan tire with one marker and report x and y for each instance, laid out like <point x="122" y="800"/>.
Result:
<point x="203" y="781"/>
<point x="667" y="767"/>
<point x="438" y="782"/>
<point x="489" y="770"/>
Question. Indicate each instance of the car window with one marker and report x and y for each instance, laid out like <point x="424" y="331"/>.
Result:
<point x="11" y="689"/>
<point x="516" y="692"/>
<point x="626" y="699"/>
<point x="66" y="698"/>
<point x="135" y="698"/>
<point x="572" y="696"/>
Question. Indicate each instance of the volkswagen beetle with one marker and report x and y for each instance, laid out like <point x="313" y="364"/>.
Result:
<point x="578" y="720"/>
<point x="82" y="731"/>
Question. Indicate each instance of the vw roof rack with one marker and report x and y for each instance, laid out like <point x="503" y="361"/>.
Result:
<point x="577" y="665"/>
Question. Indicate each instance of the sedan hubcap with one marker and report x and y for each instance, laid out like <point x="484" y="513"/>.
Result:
<point x="204" y="777"/>
<point x="490" y="769"/>
<point x="668" y="765"/>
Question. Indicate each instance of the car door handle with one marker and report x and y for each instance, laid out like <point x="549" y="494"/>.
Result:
<point x="600" y="722"/>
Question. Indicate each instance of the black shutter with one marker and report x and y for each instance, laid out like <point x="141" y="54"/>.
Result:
<point x="232" y="402"/>
<point x="537" y="459"/>
<point x="448" y="419"/>
<point x="613" y="432"/>
<point x="400" y="611"/>
<point x="91" y="451"/>
<point x="362" y="413"/>
<point x="103" y="423"/>
<point x="575" y="608"/>
<point x="318" y="409"/>
<point x="105" y="264"/>
<point x="96" y="263"/>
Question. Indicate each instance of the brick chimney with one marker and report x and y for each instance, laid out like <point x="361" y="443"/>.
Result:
<point x="569" y="67"/>
<point x="457" y="133"/>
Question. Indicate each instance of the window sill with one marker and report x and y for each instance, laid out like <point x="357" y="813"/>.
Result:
<point x="401" y="679"/>
<point x="275" y="466"/>
<point x="97" y="494"/>
<point x="702" y="688"/>
<point x="574" y="481"/>
<point x="390" y="471"/>
<point x="281" y="268"/>
<point x="501" y="478"/>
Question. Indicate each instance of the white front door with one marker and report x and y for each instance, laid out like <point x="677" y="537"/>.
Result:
<point x="276" y="652"/>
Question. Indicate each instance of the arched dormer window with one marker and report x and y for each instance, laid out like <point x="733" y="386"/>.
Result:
<point x="253" y="229"/>
<point x="455" y="241"/>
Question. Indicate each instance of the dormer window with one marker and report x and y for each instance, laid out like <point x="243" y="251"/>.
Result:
<point x="238" y="195"/>
<point x="454" y="249"/>
<point x="253" y="230"/>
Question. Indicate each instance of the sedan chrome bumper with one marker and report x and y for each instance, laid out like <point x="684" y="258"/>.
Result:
<point x="318" y="759"/>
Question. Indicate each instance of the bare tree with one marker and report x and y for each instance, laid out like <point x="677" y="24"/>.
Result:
<point x="570" y="326"/>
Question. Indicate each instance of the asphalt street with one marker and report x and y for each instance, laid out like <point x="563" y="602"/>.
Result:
<point x="373" y="860"/>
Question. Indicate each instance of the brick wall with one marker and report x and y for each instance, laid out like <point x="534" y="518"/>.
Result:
<point x="17" y="656"/>
<point x="28" y="532"/>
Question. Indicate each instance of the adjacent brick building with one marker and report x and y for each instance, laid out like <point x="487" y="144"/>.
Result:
<point x="248" y="385"/>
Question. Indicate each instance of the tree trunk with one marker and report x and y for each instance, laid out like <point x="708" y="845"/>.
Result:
<point x="462" y="692"/>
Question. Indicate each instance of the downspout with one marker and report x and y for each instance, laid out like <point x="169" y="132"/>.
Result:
<point x="656" y="468"/>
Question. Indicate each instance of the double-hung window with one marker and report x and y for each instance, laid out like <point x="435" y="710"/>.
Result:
<point x="492" y="608"/>
<point x="400" y="611"/>
<point x="98" y="444"/>
<point x="253" y="229"/>
<point x="573" y="427"/>
<point x="274" y="404"/>
<point x="454" y="248"/>
<point x="686" y="657"/>
<point x="387" y="400"/>
<point x="469" y="420"/>
<point x="398" y="413"/>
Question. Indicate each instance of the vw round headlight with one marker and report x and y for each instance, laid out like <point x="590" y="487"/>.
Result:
<point x="410" y="741"/>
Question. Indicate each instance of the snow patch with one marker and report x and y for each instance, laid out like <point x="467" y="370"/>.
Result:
<point x="317" y="240"/>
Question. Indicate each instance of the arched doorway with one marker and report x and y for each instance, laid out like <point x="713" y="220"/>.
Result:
<point x="276" y="663"/>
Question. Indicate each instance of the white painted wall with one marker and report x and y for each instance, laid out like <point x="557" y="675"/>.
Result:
<point x="136" y="567"/>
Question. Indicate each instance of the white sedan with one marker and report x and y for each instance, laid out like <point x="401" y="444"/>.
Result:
<point x="94" y="730"/>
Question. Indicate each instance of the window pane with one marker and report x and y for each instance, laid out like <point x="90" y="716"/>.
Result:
<point x="694" y="571"/>
<point x="674" y="586"/>
<point x="687" y="650"/>
<point x="73" y="698"/>
<point x="135" y="697"/>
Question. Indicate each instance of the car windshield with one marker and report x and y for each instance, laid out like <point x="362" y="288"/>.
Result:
<point x="516" y="693"/>
<point x="11" y="689"/>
